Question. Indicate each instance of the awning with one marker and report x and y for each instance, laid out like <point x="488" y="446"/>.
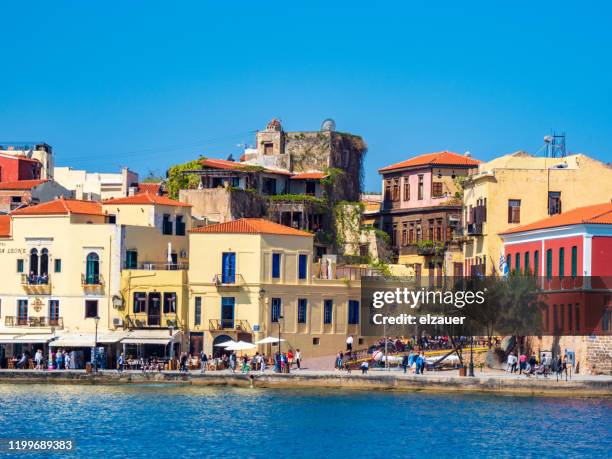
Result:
<point x="34" y="338"/>
<point x="160" y="337"/>
<point x="86" y="339"/>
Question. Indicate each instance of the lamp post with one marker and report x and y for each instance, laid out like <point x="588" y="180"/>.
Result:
<point x="97" y="319"/>
<point x="171" y="330"/>
<point x="279" y="334"/>
<point x="471" y="368"/>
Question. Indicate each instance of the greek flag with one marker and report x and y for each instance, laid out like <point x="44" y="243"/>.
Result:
<point x="503" y="266"/>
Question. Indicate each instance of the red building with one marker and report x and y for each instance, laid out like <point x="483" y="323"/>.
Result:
<point x="571" y="253"/>
<point x="14" y="168"/>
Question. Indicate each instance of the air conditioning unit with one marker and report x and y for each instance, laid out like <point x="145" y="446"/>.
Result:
<point x="117" y="322"/>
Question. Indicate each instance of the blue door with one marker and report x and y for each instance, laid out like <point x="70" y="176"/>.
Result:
<point x="228" y="269"/>
<point x="227" y="312"/>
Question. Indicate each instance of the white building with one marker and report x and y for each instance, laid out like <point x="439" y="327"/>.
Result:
<point x="97" y="186"/>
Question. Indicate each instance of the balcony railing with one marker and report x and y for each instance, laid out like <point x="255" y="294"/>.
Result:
<point x="229" y="324"/>
<point x="229" y="282"/>
<point x="36" y="284"/>
<point x="474" y="229"/>
<point x="14" y="321"/>
<point x="92" y="281"/>
<point x="159" y="266"/>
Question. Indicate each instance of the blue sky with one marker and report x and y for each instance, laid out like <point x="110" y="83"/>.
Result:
<point x="149" y="84"/>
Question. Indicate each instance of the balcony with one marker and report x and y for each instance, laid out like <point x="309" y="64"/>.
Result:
<point x="429" y="248"/>
<point x="229" y="283"/>
<point x="92" y="282"/>
<point x="36" y="285"/>
<point x="159" y="266"/>
<point x="474" y="229"/>
<point x="13" y="321"/>
<point x="164" y="320"/>
<point x="229" y="325"/>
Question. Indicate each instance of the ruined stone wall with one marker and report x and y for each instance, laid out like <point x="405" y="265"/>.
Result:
<point x="593" y="353"/>
<point x="222" y="204"/>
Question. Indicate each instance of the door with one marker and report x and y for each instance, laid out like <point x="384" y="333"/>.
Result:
<point x="93" y="269"/>
<point x="22" y="312"/>
<point x="228" y="269"/>
<point x="227" y="312"/>
<point x="154" y="309"/>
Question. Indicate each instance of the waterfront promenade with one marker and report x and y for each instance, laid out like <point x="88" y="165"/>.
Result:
<point x="450" y="381"/>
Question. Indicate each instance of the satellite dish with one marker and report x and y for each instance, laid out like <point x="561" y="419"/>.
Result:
<point x="328" y="125"/>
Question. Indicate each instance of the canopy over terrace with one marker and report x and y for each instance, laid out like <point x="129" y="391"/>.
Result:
<point x="152" y="343"/>
<point x="86" y="339"/>
<point x="39" y="338"/>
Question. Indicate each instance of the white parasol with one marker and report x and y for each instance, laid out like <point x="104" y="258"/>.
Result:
<point x="240" y="346"/>
<point x="269" y="340"/>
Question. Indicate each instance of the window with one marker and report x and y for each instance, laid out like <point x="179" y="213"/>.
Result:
<point x="140" y="302"/>
<point x="570" y="322"/>
<point x="227" y="312"/>
<point x="57" y="265"/>
<point x="328" y="307"/>
<point x="395" y="192"/>
<point x="406" y="189"/>
<point x="562" y="317"/>
<point x="268" y="186"/>
<point x="554" y="202"/>
<point x="547" y="317"/>
<point x="112" y="219"/>
<point x="526" y="264"/>
<point x="574" y="261"/>
<point x="268" y="148"/>
<point x="549" y="264"/>
<point x="44" y="262"/>
<point x="517" y="262"/>
<point x="228" y="268"/>
<point x="167" y="225"/>
<point x="577" y="317"/>
<point x="131" y="259"/>
<point x="315" y="341"/>
<point x="276" y="309"/>
<point x="387" y="190"/>
<point x="276" y="262"/>
<point x="54" y="312"/>
<point x="180" y="226"/>
<point x="91" y="309"/>
<point x="311" y="188"/>
<point x="197" y="311"/>
<point x="561" y="262"/>
<point x="353" y="312"/>
<point x="92" y="269"/>
<point x="420" y="188"/>
<point x="20" y="265"/>
<point x="555" y="319"/>
<point x="302" y="266"/>
<point x="514" y="211"/>
<point x="34" y="261"/>
<point x="22" y="312"/>
<point x="605" y="321"/>
<point x="169" y="303"/>
<point x="509" y="262"/>
<point x="436" y="189"/>
<point x="301" y="310"/>
<point x="536" y="262"/>
<point x="404" y="233"/>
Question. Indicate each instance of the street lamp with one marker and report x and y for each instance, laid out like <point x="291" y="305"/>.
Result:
<point x="97" y="319"/>
<point x="471" y="369"/>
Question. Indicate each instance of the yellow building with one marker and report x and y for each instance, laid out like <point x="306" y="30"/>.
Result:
<point x="517" y="189"/>
<point x="250" y="278"/>
<point x="62" y="268"/>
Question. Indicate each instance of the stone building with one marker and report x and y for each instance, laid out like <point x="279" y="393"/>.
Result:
<point x="421" y="211"/>
<point x="14" y="195"/>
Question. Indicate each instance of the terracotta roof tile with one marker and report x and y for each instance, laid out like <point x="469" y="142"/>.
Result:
<point x="146" y="198"/>
<point x="441" y="158"/>
<point x="149" y="187"/>
<point x="62" y="206"/>
<point x="238" y="166"/>
<point x="251" y="226"/>
<point x="599" y="214"/>
<point x="21" y="184"/>
<point x="5" y="225"/>
<point x="309" y="175"/>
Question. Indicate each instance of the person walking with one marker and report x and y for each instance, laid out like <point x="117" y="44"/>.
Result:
<point x="298" y="359"/>
<point x="522" y="363"/>
<point x="262" y="363"/>
<point x="405" y="363"/>
<point x="290" y="358"/>
<point x="349" y="343"/>
<point x="38" y="358"/>
<point x="184" y="362"/>
<point x="120" y="363"/>
<point x="511" y="365"/>
<point x="203" y="362"/>
<point x="232" y="362"/>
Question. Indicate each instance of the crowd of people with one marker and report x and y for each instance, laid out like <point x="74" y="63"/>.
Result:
<point x="537" y="366"/>
<point x="38" y="279"/>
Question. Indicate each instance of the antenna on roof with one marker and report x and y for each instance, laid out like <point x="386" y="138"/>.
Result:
<point x="555" y="145"/>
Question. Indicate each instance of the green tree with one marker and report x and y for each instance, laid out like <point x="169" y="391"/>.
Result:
<point x="178" y="180"/>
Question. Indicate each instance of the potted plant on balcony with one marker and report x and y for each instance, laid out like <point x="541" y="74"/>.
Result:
<point x="429" y="247"/>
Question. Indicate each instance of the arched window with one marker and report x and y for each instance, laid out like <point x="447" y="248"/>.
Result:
<point x="44" y="262"/>
<point x="34" y="261"/>
<point x="92" y="272"/>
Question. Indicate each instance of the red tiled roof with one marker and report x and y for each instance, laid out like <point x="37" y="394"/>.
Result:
<point x="62" y="206"/>
<point x="600" y="214"/>
<point x="309" y="175"/>
<point x="251" y="226"/>
<point x="145" y="199"/>
<point x="20" y="157"/>
<point x="237" y="166"/>
<point x="21" y="184"/>
<point x="441" y="158"/>
<point x="5" y="225"/>
<point x="149" y="187"/>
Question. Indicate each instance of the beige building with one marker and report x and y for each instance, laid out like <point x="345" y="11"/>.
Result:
<point x="67" y="262"/>
<point x="252" y="278"/>
<point x="519" y="188"/>
<point x="96" y="186"/>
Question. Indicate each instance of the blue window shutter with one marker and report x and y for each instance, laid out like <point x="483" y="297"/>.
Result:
<point x="303" y="268"/>
<point x="276" y="261"/>
<point x="228" y="274"/>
